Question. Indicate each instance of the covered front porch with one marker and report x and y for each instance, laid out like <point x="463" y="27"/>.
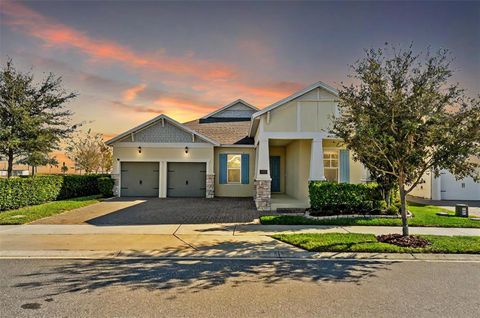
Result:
<point x="287" y="166"/>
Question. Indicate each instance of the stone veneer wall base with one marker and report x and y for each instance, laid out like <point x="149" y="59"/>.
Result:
<point x="263" y="195"/>
<point x="116" y="184"/>
<point x="210" y="186"/>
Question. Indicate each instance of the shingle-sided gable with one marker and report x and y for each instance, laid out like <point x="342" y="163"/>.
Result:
<point x="161" y="129"/>
<point x="238" y="110"/>
<point x="166" y="133"/>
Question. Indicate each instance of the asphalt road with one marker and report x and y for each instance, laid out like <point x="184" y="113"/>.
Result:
<point x="237" y="288"/>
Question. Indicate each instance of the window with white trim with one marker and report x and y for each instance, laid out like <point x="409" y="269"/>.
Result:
<point x="330" y="165"/>
<point x="234" y="168"/>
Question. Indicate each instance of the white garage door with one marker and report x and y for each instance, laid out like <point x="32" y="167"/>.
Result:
<point x="465" y="189"/>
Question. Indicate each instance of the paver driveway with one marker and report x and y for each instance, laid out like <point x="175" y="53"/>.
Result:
<point x="143" y="211"/>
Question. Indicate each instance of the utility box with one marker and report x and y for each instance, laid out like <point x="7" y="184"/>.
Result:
<point x="461" y="210"/>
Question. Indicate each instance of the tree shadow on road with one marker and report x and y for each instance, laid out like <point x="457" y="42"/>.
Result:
<point x="191" y="275"/>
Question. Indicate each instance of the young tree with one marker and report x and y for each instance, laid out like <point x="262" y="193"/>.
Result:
<point x="402" y="118"/>
<point x="106" y="157"/>
<point x="32" y="116"/>
<point x="89" y="152"/>
<point x="64" y="168"/>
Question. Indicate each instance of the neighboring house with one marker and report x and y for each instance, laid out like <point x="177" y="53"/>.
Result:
<point x="238" y="151"/>
<point x="446" y="187"/>
<point x="15" y="172"/>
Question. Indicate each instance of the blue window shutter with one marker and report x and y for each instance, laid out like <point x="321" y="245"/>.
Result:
<point x="344" y="165"/>
<point x="245" y="171"/>
<point x="223" y="168"/>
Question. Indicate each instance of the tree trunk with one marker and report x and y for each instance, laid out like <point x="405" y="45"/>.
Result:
<point x="33" y="171"/>
<point x="403" y="207"/>
<point x="10" y="163"/>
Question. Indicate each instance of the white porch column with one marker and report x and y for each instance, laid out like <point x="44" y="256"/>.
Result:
<point x="262" y="170"/>
<point x="316" y="161"/>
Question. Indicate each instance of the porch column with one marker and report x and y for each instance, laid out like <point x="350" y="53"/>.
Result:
<point x="316" y="161"/>
<point x="262" y="170"/>
<point x="262" y="177"/>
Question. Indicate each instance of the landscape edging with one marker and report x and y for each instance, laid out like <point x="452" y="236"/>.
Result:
<point x="355" y="216"/>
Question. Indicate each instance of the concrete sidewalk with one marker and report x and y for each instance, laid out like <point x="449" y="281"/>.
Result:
<point x="178" y="241"/>
<point x="223" y="229"/>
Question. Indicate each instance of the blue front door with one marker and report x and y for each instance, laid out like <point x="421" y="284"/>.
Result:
<point x="275" y="173"/>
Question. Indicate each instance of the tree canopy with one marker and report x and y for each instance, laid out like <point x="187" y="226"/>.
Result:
<point x="33" y="118"/>
<point x="89" y="152"/>
<point x="402" y="117"/>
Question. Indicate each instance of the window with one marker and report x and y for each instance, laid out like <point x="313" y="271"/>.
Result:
<point x="234" y="168"/>
<point x="330" y="166"/>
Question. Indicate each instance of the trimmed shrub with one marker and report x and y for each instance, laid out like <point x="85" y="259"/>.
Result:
<point x="392" y="210"/>
<point x="105" y="186"/>
<point x="380" y="205"/>
<point x="328" y="198"/>
<point x="19" y="192"/>
<point x="78" y="186"/>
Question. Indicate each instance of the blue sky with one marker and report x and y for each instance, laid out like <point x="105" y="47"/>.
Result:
<point x="130" y="61"/>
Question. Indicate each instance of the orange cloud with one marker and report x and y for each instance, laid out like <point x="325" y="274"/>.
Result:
<point x="24" y="19"/>
<point x="137" y="109"/>
<point x="130" y="93"/>
<point x="185" y="103"/>
<point x="212" y="81"/>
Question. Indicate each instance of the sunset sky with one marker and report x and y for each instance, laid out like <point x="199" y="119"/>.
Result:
<point x="130" y="61"/>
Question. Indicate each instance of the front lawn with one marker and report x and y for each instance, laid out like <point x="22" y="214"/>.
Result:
<point x="339" y="242"/>
<point x="35" y="212"/>
<point x="423" y="215"/>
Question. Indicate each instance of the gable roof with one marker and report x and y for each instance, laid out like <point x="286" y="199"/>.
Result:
<point x="154" y="121"/>
<point x="296" y="95"/>
<point x="225" y="133"/>
<point x="230" y="105"/>
<point x="319" y="84"/>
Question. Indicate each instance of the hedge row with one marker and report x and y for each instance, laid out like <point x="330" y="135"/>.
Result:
<point x="19" y="192"/>
<point x="327" y="198"/>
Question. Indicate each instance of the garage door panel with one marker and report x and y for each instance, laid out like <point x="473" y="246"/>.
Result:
<point x="186" y="179"/>
<point x="464" y="189"/>
<point x="139" y="179"/>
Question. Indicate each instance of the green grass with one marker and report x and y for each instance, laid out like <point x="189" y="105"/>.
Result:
<point x="423" y="215"/>
<point x="339" y="242"/>
<point x="35" y="212"/>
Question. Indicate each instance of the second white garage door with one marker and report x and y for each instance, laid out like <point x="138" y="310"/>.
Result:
<point x="465" y="189"/>
<point x="186" y="179"/>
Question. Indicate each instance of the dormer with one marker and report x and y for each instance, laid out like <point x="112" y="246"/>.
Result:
<point x="238" y="110"/>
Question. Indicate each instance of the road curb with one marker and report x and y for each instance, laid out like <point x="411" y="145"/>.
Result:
<point x="274" y="255"/>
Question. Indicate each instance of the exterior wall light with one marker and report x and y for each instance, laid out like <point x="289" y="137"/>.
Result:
<point x="186" y="149"/>
<point x="139" y="149"/>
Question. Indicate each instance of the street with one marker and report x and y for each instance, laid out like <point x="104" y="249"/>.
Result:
<point x="237" y="288"/>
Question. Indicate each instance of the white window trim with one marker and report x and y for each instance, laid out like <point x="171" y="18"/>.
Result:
<point x="240" y="168"/>
<point x="330" y="151"/>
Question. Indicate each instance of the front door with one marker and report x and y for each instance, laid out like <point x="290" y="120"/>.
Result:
<point x="275" y="173"/>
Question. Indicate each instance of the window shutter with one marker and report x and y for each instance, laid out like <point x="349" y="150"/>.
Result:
<point x="223" y="168"/>
<point x="344" y="165"/>
<point x="245" y="169"/>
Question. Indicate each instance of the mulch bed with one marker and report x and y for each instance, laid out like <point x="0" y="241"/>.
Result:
<point x="404" y="241"/>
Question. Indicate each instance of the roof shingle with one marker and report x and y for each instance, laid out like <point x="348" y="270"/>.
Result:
<point x="226" y="133"/>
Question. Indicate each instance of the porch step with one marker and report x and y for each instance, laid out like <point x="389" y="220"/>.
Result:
<point x="288" y="206"/>
<point x="290" y="210"/>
